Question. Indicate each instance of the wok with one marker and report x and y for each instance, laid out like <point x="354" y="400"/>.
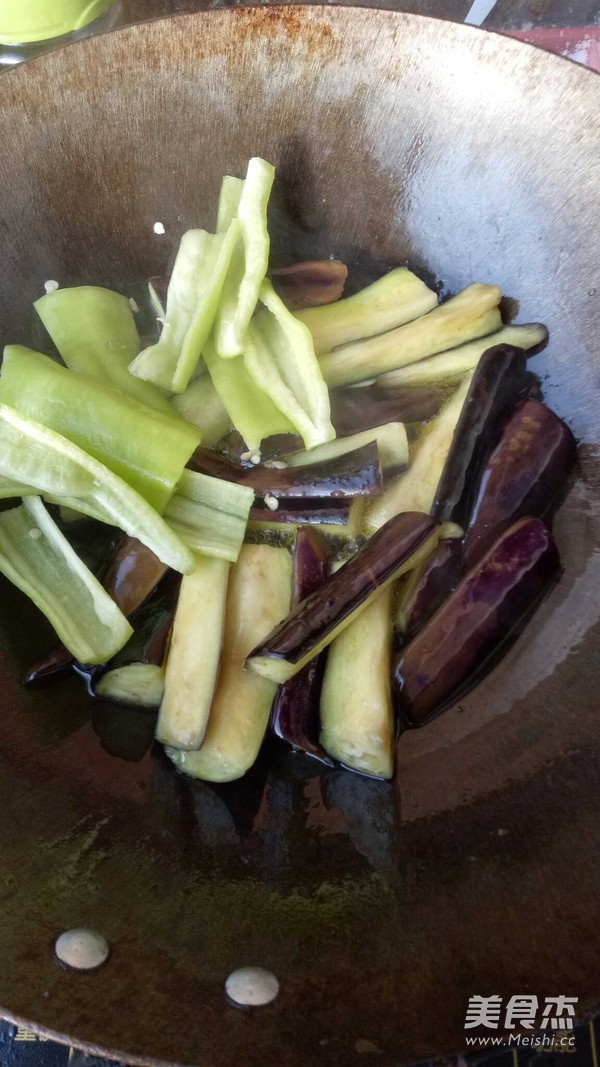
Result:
<point x="397" y="139"/>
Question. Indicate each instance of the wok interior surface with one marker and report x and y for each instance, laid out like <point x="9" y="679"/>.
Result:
<point x="396" y="139"/>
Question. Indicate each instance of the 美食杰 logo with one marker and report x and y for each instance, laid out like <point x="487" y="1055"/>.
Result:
<point x="522" y="1020"/>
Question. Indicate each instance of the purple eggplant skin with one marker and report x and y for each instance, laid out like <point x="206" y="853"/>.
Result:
<point x="499" y="382"/>
<point x="311" y="283"/>
<point x="524" y="475"/>
<point x="295" y="711"/>
<point x="304" y="513"/>
<point x="54" y="667"/>
<point x="362" y="408"/>
<point x="465" y="638"/>
<point x="439" y="578"/>
<point x="311" y="564"/>
<point x="356" y="473"/>
<point x="215" y="465"/>
<point x="316" y="617"/>
<point x="152" y="624"/>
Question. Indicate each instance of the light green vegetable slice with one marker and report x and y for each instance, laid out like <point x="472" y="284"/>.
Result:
<point x="250" y="410"/>
<point x="250" y="259"/>
<point x="210" y="515"/>
<point x="67" y="475"/>
<point x="145" y="448"/>
<point x="35" y="456"/>
<point x="452" y="364"/>
<point x="392" y="444"/>
<point x="38" y="559"/>
<point x="193" y="297"/>
<point x="229" y="202"/>
<point x="11" y="490"/>
<point x="95" y="333"/>
<point x="470" y="314"/>
<point x="396" y="298"/>
<point x="280" y="357"/>
<point x="201" y="405"/>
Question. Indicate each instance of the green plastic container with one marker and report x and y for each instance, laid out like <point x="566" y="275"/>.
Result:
<point x="26" y="21"/>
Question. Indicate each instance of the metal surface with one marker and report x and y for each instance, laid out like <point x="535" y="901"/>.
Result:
<point x="396" y="139"/>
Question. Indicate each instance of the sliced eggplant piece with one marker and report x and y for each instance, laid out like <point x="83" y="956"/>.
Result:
<point x="258" y="597"/>
<point x="391" y="440"/>
<point x="448" y="366"/>
<point x="355" y="410"/>
<point x="133" y="573"/>
<point x="392" y="300"/>
<point x="471" y="313"/>
<point x="343" y="519"/>
<point x="353" y="473"/>
<point x="140" y="684"/>
<point x="54" y="667"/>
<point x="357" y="714"/>
<point x="415" y="489"/>
<point x="136" y="674"/>
<point x="426" y="587"/>
<point x="295" y="711"/>
<point x="193" y="659"/>
<point x="462" y="641"/>
<point x="524" y="475"/>
<point x="400" y="545"/>
<point x="497" y="385"/>
<point x="312" y="283"/>
<point x="215" y="465"/>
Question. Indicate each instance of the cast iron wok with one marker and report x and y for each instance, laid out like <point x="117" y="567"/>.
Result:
<point x="397" y="139"/>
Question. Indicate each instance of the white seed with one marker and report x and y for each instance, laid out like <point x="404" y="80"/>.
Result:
<point x="35" y="534"/>
<point x="81" y="949"/>
<point x="271" y="501"/>
<point x="246" y="457"/>
<point x="252" y="987"/>
<point x="255" y="458"/>
<point x="275" y="464"/>
<point x="51" y="286"/>
<point x="133" y="304"/>
<point x="158" y="227"/>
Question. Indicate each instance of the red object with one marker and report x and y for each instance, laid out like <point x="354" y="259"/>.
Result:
<point x="581" y="43"/>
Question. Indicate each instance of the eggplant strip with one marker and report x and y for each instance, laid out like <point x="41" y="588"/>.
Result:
<point x="295" y="711"/>
<point x="312" y="283"/>
<point x="462" y="641"/>
<point x="400" y="545"/>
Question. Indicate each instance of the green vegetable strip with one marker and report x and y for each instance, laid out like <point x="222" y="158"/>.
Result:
<point x="192" y="300"/>
<point x="95" y="333"/>
<point x="31" y="454"/>
<point x="280" y="357"/>
<point x="250" y="410"/>
<point x="249" y="261"/>
<point x="201" y="405"/>
<point x="229" y="202"/>
<point x="148" y="450"/>
<point x="10" y="490"/>
<point x="38" y="559"/>
<point x="41" y="458"/>
<point x="470" y="314"/>
<point x="210" y="515"/>
<point x="392" y="300"/>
